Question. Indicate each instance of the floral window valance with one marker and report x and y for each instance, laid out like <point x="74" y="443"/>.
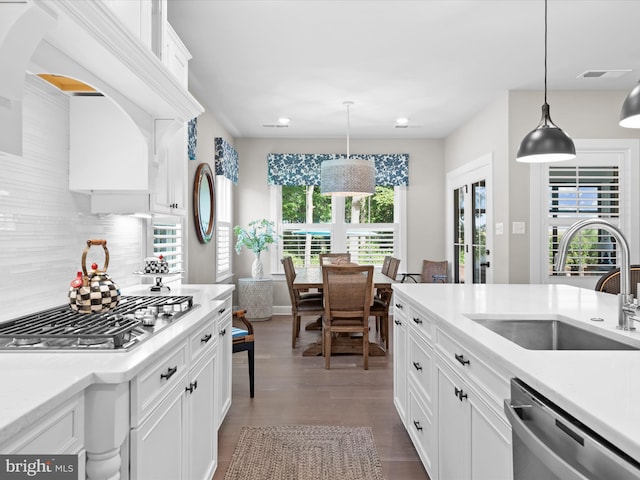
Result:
<point x="392" y="169"/>
<point x="226" y="160"/>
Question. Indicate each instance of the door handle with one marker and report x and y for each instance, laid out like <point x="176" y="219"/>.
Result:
<point x="485" y="264"/>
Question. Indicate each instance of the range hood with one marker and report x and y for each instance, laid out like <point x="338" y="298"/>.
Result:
<point x="86" y="40"/>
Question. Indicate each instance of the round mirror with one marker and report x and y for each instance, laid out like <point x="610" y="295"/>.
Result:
<point x="203" y="202"/>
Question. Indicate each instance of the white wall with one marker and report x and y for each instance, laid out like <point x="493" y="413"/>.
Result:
<point x="43" y="226"/>
<point x="583" y="115"/>
<point x="487" y="133"/>
<point x="201" y="258"/>
<point x="425" y="194"/>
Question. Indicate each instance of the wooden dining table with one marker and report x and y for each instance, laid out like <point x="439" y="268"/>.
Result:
<point x="311" y="278"/>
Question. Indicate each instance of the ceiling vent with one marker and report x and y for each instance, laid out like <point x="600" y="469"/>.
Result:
<point x="274" y="125"/>
<point x="603" y="73"/>
<point x="407" y="126"/>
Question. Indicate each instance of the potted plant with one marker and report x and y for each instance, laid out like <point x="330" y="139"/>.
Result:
<point x="257" y="237"/>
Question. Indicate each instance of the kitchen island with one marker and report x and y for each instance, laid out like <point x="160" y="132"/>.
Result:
<point x="446" y="350"/>
<point x="103" y="406"/>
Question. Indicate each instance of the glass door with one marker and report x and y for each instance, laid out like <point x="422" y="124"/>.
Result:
<point x="469" y="226"/>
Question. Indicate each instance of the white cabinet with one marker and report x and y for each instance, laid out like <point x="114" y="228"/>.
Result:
<point x="174" y="429"/>
<point x="400" y="357"/>
<point x="107" y="151"/>
<point x="224" y="363"/>
<point x="176" y="56"/>
<point x="202" y="418"/>
<point x="449" y="398"/>
<point x="169" y="175"/>
<point x="158" y="443"/>
<point x="61" y="431"/>
<point x="473" y="442"/>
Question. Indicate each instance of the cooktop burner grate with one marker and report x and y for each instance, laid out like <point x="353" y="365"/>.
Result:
<point x="62" y="328"/>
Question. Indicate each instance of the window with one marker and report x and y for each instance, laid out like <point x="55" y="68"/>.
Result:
<point x="223" y="227"/>
<point x="577" y="192"/>
<point x="167" y="241"/>
<point x="307" y="226"/>
<point x="601" y="182"/>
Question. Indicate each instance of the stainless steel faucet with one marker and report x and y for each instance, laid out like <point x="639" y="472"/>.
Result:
<point x="626" y="307"/>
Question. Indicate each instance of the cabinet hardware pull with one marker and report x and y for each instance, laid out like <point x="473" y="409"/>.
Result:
<point x="195" y="384"/>
<point x="417" y="320"/>
<point x="170" y="372"/>
<point x="206" y="338"/>
<point x="399" y="305"/>
<point x="459" y="393"/>
<point x="417" y="425"/>
<point x="461" y="358"/>
<point x="397" y="322"/>
<point x="223" y="332"/>
<point x="221" y="311"/>
<point x="417" y="366"/>
<point x="189" y="388"/>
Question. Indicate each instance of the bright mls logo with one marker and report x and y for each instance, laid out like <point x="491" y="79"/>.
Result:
<point x="53" y="467"/>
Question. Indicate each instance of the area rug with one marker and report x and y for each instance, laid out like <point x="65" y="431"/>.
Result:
<point x="305" y="452"/>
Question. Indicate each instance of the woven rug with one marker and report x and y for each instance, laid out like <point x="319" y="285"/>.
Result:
<point x="305" y="452"/>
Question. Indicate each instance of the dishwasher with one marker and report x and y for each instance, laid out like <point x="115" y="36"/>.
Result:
<point x="548" y="443"/>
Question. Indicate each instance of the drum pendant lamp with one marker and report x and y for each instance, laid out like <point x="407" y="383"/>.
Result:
<point x="348" y="177"/>
<point x="547" y="143"/>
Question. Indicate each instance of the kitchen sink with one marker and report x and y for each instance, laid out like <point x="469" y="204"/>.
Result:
<point x="551" y="334"/>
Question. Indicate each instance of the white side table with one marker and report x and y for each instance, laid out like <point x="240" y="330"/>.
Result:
<point x="256" y="297"/>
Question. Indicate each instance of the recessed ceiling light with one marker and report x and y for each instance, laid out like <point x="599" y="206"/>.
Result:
<point x="284" y="120"/>
<point x="402" y="121"/>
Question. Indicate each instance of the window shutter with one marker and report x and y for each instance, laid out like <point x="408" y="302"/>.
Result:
<point x="167" y="241"/>
<point x="575" y="193"/>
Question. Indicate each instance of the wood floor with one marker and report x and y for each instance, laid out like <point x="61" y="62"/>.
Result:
<point x="292" y="389"/>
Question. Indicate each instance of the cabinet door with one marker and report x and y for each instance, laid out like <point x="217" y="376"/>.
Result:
<point x="169" y="186"/>
<point x="157" y="446"/>
<point x="491" y="457"/>
<point x="225" y="367"/>
<point x="453" y="427"/>
<point x="203" y="432"/>
<point x="400" y="367"/>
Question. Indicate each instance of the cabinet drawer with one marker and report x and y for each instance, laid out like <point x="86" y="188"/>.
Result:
<point x="421" y="366"/>
<point x="400" y="306"/>
<point x="472" y="368"/>
<point x="202" y="339"/>
<point x="224" y="308"/>
<point x="421" y="430"/>
<point x="420" y="322"/>
<point x="153" y="383"/>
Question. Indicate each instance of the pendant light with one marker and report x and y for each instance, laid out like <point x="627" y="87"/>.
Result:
<point x="348" y="177"/>
<point x="630" y="113"/>
<point x="547" y="143"/>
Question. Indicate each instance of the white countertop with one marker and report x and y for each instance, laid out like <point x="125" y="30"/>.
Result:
<point x="599" y="388"/>
<point x="35" y="383"/>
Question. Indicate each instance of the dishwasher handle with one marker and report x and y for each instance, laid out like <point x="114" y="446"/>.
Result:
<point x="552" y="460"/>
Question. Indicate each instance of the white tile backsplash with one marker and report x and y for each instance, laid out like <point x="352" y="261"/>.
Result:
<point x="43" y="226"/>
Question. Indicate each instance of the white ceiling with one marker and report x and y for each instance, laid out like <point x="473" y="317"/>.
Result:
<point x="436" y="62"/>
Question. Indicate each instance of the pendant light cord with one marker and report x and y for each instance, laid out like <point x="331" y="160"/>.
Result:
<point x="348" y="127"/>
<point x="545" y="51"/>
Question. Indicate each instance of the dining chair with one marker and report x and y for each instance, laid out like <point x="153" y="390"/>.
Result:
<point x="243" y="341"/>
<point x="382" y="301"/>
<point x="609" y="282"/>
<point x="434" y="271"/>
<point x="347" y="300"/>
<point x="301" y="304"/>
<point x="385" y="264"/>
<point x="334" y="258"/>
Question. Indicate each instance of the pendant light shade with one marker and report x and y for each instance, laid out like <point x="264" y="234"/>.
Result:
<point x="630" y="113"/>
<point x="548" y="142"/>
<point x="348" y="177"/>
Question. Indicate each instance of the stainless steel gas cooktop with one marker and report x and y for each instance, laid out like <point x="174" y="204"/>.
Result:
<point x="135" y="319"/>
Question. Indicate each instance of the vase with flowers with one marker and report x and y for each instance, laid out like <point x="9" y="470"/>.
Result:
<point x="257" y="237"/>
